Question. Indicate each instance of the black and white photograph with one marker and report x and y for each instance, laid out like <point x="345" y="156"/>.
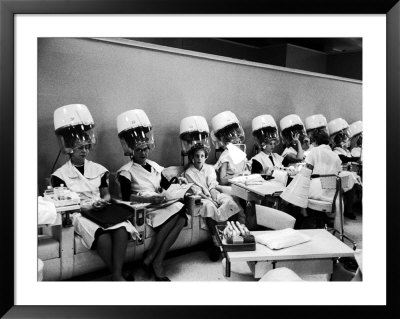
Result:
<point x="239" y="158"/>
<point x="200" y="159"/>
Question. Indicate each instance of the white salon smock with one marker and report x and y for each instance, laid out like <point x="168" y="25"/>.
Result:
<point x="266" y="162"/>
<point x="354" y="178"/>
<point x="232" y="168"/>
<point x="205" y="180"/>
<point x="324" y="161"/>
<point x="147" y="184"/>
<point x="289" y="150"/>
<point x="87" y="187"/>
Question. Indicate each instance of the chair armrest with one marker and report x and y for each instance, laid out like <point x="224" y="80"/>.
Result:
<point x="191" y="203"/>
<point x="323" y="175"/>
<point x="273" y="218"/>
<point x="224" y="189"/>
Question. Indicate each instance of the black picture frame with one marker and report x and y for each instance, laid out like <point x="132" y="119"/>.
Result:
<point x="8" y="10"/>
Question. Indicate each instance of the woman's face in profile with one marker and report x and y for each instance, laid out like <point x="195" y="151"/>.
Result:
<point x="269" y="146"/>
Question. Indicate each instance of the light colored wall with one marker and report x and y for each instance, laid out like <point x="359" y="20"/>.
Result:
<point x="112" y="78"/>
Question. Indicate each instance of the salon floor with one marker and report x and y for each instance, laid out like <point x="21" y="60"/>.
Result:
<point x="194" y="264"/>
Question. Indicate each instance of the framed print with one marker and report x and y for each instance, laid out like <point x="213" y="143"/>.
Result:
<point x="38" y="37"/>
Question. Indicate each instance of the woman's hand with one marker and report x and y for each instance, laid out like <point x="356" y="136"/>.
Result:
<point x="99" y="204"/>
<point x="196" y="189"/>
<point x="215" y="202"/>
<point x="181" y="180"/>
<point x="295" y="138"/>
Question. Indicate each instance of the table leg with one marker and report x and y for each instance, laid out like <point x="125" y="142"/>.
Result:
<point x="227" y="266"/>
<point x="251" y="218"/>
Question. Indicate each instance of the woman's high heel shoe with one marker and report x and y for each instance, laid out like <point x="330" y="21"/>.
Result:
<point x="157" y="278"/>
<point x="148" y="270"/>
<point x="165" y="278"/>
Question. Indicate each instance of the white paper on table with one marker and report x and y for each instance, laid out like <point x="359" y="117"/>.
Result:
<point x="176" y="191"/>
<point x="283" y="238"/>
<point x="156" y="216"/>
<point x="248" y="179"/>
<point x="280" y="176"/>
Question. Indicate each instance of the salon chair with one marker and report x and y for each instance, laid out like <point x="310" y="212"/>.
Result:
<point x="334" y="208"/>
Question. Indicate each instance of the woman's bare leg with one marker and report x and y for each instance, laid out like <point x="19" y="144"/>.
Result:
<point x="104" y="248"/>
<point x="167" y="242"/>
<point x="161" y="234"/>
<point x="119" y="243"/>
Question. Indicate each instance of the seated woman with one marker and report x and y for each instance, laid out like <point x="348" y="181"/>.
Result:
<point x="217" y="207"/>
<point x="314" y="124"/>
<point x="339" y="139"/>
<point x="226" y="132"/>
<point x="142" y="180"/>
<point x="293" y="134"/>
<point x="322" y="161"/>
<point x="356" y="143"/>
<point x="90" y="181"/>
<point x="265" y="134"/>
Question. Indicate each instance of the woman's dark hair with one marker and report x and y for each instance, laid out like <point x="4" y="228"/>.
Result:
<point x="225" y="131"/>
<point x="321" y="137"/>
<point x="74" y="133"/>
<point x="191" y="136"/>
<point x="264" y="132"/>
<point x="133" y="135"/>
<point x="287" y="132"/>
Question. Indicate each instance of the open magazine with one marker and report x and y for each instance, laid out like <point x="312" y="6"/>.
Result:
<point x="159" y="213"/>
<point x="176" y="191"/>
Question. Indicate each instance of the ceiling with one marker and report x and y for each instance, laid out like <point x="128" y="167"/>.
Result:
<point x="326" y="45"/>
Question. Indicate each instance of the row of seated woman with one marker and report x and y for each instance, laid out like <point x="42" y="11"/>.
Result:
<point x="141" y="180"/>
<point x="65" y="255"/>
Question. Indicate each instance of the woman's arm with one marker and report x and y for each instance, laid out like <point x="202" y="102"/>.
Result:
<point x="290" y="159"/>
<point x="211" y="180"/>
<point x="214" y="194"/>
<point x="56" y="181"/>
<point x="127" y="196"/>
<point x="223" y="174"/>
<point x="125" y="186"/>
<point x="103" y="188"/>
<point x="300" y="152"/>
<point x="105" y="193"/>
<point x="256" y="167"/>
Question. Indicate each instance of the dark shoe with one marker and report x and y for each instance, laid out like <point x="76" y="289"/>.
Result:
<point x="350" y="215"/>
<point x="214" y="253"/>
<point x="148" y="270"/>
<point x="161" y="278"/>
<point x="129" y="277"/>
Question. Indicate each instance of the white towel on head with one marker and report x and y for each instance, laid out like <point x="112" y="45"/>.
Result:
<point x="283" y="238"/>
